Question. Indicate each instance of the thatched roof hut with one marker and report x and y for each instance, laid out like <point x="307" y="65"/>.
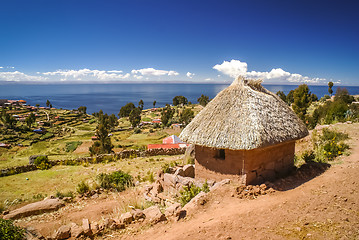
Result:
<point x="244" y="116"/>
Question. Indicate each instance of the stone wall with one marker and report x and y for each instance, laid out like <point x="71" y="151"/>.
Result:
<point x="245" y="166"/>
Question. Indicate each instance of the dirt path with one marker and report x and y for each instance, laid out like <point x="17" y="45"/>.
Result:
<point x="84" y="147"/>
<point x="326" y="207"/>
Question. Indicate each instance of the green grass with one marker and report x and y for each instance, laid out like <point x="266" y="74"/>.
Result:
<point x="65" y="178"/>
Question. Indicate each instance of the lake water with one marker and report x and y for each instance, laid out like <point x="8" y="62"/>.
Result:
<point x="111" y="97"/>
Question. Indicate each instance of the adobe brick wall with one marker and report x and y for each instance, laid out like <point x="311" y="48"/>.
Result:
<point x="246" y="166"/>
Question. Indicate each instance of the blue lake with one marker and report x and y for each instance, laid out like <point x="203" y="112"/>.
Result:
<point x="111" y="97"/>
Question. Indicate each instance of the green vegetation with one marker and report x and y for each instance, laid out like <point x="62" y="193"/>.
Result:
<point x="103" y="145"/>
<point x="186" y="116"/>
<point x="187" y="193"/>
<point x="82" y="109"/>
<point x="42" y="163"/>
<point x="118" y="180"/>
<point x="203" y="100"/>
<point x="302" y="101"/>
<point x="8" y="231"/>
<point x="82" y="187"/>
<point x="179" y="100"/>
<point x="135" y="117"/>
<point x="166" y="115"/>
<point x="330" y="86"/>
<point x="71" y="146"/>
<point x="126" y="110"/>
<point x="166" y="166"/>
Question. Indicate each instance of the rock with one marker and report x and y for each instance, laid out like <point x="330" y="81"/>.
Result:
<point x="86" y="227"/>
<point x="220" y="184"/>
<point x="188" y="170"/>
<point x="107" y="223"/>
<point x="181" y="214"/>
<point x="137" y="214"/>
<point x="76" y="230"/>
<point x="31" y="234"/>
<point x="47" y="205"/>
<point x="173" y="210"/>
<point x="63" y="232"/>
<point x="117" y="224"/>
<point x="157" y="188"/>
<point x="169" y="180"/>
<point x="200" y="199"/>
<point x="154" y="215"/>
<point x="94" y="228"/>
<point x="179" y="172"/>
<point x="126" y="218"/>
<point x="190" y="153"/>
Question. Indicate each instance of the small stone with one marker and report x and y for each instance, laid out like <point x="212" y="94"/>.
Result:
<point x="126" y="218"/>
<point x="76" y="230"/>
<point x="63" y="232"/>
<point x="137" y="214"/>
<point x="154" y="214"/>
<point x="179" y="172"/>
<point x="86" y="227"/>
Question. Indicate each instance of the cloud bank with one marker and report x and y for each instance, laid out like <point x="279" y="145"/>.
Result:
<point x="88" y="75"/>
<point x="234" y="68"/>
<point x="154" y="72"/>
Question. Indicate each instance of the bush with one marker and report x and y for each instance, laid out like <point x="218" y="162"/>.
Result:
<point x="66" y="194"/>
<point x="166" y="167"/>
<point x="308" y="156"/>
<point x="136" y="131"/>
<point x="187" y="193"/>
<point x="8" y="231"/>
<point x="118" y="180"/>
<point x="329" y="145"/>
<point x="82" y="187"/>
<point x="42" y="162"/>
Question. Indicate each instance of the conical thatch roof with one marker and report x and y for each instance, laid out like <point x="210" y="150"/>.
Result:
<point x="244" y="116"/>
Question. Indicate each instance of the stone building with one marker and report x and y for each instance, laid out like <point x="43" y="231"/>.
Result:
<point x="245" y="133"/>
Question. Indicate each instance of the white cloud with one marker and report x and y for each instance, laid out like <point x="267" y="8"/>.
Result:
<point x="88" y="75"/>
<point x="190" y="75"/>
<point x="138" y="77"/>
<point x="208" y="79"/>
<point x="234" y="68"/>
<point x="154" y="72"/>
<point x="19" y="76"/>
<point x="1" y="67"/>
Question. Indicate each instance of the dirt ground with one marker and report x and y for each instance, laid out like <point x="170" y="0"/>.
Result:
<point x="304" y="206"/>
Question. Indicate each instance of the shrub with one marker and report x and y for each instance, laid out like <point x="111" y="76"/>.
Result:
<point x="329" y="145"/>
<point x="42" y="162"/>
<point x="166" y="167"/>
<point x="149" y="177"/>
<point x="136" y="131"/>
<point x="65" y="194"/>
<point x="308" y="156"/>
<point x="8" y="231"/>
<point x="187" y="193"/>
<point x="82" y="187"/>
<point x="118" y="180"/>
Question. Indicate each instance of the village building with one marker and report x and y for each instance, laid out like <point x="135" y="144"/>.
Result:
<point x="246" y="133"/>
<point x="169" y="142"/>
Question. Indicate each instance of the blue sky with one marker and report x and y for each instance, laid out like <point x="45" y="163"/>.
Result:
<point x="287" y="42"/>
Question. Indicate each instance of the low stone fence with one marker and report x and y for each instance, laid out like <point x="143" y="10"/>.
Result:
<point x="97" y="159"/>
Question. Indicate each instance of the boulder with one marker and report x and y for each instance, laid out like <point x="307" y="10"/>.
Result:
<point x="173" y="210"/>
<point x="179" y="172"/>
<point x="137" y="214"/>
<point x="47" y="205"/>
<point x="63" y="232"/>
<point x="190" y="153"/>
<point x="188" y="170"/>
<point x="169" y="180"/>
<point x="220" y="184"/>
<point x="86" y="227"/>
<point x="76" y="231"/>
<point x="154" y="215"/>
<point x="126" y="218"/>
<point x="31" y="234"/>
<point x="157" y="188"/>
<point x="198" y="200"/>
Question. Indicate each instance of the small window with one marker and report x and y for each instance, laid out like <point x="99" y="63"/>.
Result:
<point x="221" y="154"/>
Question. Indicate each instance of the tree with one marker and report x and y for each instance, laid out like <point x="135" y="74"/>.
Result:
<point x="103" y="145"/>
<point x="167" y="114"/>
<point x="47" y="103"/>
<point x="330" y="86"/>
<point x="135" y="117"/>
<point x="343" y="95"/>
<point x="30" y="120"/>
<point x="177" y="100"/>
<point x="282" y="96"/>
<point x="113" y="121"/>
<point x="313" y="97"/>
<point x="8" y="120"/>
<point x="126" y="110"/>
<point x="290" y="97"/>
<point x="37" y="105"/>
<point x="301" y="100"/>
<point x="82" y="109"/>
<point x="50" y="105"/>
<point x="140" y="104"/>
<point x="154" y="104"/>
<point x="186" y="116"/>
<point x="203" y="100"/>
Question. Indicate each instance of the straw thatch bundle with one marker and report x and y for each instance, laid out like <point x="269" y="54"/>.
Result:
<point x="244" y="116"/>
